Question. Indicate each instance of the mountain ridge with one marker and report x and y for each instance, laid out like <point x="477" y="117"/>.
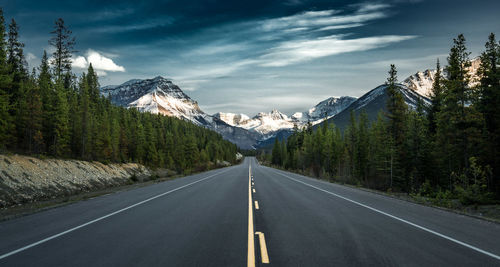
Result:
<point x="161" y="96"/>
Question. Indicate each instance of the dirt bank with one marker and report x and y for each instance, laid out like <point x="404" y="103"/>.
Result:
<point x="26" y="179"/>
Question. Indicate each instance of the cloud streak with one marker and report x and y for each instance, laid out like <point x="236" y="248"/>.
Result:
<point x="294" y="39"/>
<point x="293" y="52"/>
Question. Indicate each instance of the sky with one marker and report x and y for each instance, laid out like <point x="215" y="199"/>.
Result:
<point x="253" y="56"/>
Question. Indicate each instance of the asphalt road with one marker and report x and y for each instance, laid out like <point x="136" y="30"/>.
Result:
<point x="212" y="219"/>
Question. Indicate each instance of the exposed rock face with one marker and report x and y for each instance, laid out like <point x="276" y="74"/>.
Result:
<point x="376" y="100"/>
<point x="422" y="81"/>
<point x="326" y="108"/>
<point x="157" y="95"/>
<point x="26" y="179"/>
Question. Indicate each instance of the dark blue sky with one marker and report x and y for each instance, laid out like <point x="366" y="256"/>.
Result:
<point x="251" y="56"/>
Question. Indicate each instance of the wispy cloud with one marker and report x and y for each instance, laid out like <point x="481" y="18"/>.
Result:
<point x="338" y="27"/>
<point x="147" y="24"/>
<point x="297" y="51"/>
<point x="325" y="18"/>
<point x="370" y="7"/>
<point x="295" y="39"/>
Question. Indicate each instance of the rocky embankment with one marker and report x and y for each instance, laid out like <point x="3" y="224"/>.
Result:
<point x="26" y="179"/>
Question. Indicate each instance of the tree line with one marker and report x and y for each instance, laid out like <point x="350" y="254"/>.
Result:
<point x="49" y="111"/>
<point x="450" y="149"/>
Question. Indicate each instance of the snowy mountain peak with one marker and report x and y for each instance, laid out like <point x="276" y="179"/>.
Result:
<point x="267" y="123"/>
<point x="276" y="115"/>
<point x="132" y="90"/>
<point x="157" y="95"/>
<point x="421" y="82"/>
<point x="231" y="118"/>
<point x="328" y="107"/>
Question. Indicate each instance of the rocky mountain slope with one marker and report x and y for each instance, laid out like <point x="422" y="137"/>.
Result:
<point x="374" y="101"/>
<point x="326" y="108"/>
<point x="422" y="81"/>
<point x="162" y="96"/>
<point x="269" y="124"/>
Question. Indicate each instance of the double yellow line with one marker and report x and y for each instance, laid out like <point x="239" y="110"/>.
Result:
<point x="251" y="245"/>
<point x="262" y="240"/>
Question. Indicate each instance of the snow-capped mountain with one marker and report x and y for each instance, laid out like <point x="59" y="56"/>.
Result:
<point x="265" y="124"/>
<point x="157" y="95"/>
<point x="422" y="81"/>
<point x="376" y="100"/>
<point x="231" y="118"/>
<point x="328" y="107"/>
<point x="268" y="123"/>
<point x="160" y="95"/>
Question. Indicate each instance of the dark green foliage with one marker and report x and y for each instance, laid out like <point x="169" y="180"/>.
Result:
<point x="490" y="105"/>
<point x="51" y="114"/>
<point x="450" y="152"/>
<point x="436" y="99"/>
<point x="6" y="119"/>
<point x="63" y="44"/>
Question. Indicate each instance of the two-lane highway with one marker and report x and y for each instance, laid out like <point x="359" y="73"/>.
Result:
<point x="243" y="215"/>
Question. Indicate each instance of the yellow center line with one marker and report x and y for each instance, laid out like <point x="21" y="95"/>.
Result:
<point x="251" y="246"/>
<point x="263" y="248"/>
<point x="256" y="205"/>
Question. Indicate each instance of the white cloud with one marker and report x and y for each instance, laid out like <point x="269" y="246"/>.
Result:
<point x="326" y="18"/>
<point x="369" y="7"/>
<point x="100" y="63"/>
<point x="80" y="63"/>
<point x="338" y="27"/>
<point x="295" y="51"/>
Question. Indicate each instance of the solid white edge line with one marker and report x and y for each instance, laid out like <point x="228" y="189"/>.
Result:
<point x="104" y="217"/>
<point x="397" y="218"/>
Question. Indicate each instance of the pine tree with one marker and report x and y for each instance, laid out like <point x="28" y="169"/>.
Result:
<point x="436" y="99"/>
<point x="6" y="121"/>
<point x="191" y="151"/>
<point x="457" y="95"/>
<point x="30" y="116"/>
<point x="380" y="153"/>
<point x="59" y="114"/>
<point x="276" y="153"/>
<point x="63" y="44"/>
<point x="15" y="53"/>
<point x="47" y="95"/>
<point x="490" y="104"/>
<point x="363" y="143"/>
<point x="397" y="115"/>
<point x="17" y="70"/>
<point x="351" y="144"/>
